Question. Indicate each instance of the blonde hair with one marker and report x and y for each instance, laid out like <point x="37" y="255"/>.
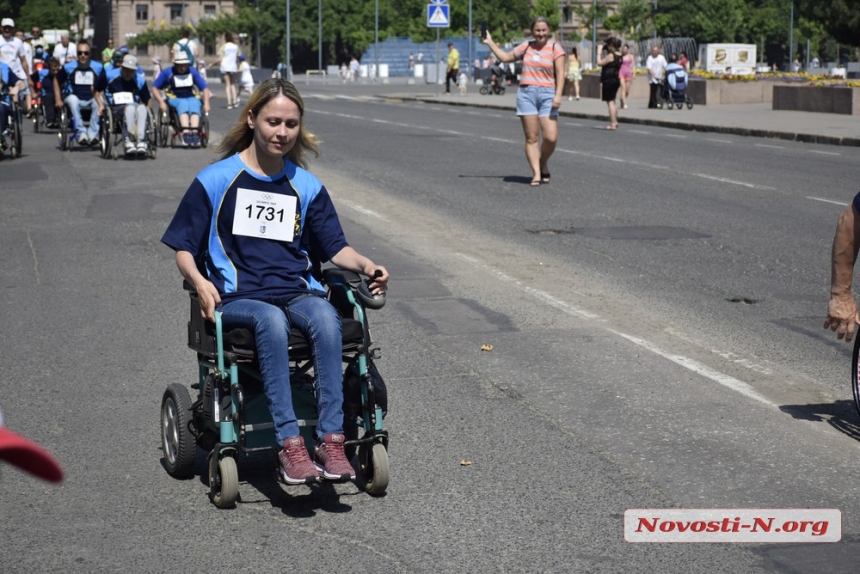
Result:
<point x="241" y="136"/>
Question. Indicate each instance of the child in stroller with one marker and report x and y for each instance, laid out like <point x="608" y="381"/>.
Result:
<point x="674" y="88"/>
<point x="496" y="82"/>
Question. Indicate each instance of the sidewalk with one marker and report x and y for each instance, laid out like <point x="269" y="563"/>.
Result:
<point x="757" y="120"/>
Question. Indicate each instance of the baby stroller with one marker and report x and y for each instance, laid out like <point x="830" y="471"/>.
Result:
<point x="673" y="91"/>
<point x="497" y="86"/>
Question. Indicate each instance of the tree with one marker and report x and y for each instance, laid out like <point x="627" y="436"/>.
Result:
<point x="49" y="14"/>
<point x="549" y="10"/>
<point x="720" y="21"/>
<point x="840" y="18"/>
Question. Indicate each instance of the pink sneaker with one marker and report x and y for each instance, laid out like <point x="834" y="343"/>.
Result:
<point x="296" y="466"/>
<point x="331" y="460"/>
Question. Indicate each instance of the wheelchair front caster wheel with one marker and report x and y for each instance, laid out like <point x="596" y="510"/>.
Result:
<point x="373" y="468"/>
<point x="223" y="481"/>
<point x="176" y="438"/>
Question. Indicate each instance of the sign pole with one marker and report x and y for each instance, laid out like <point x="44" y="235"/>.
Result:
<point x="437" y="62"/>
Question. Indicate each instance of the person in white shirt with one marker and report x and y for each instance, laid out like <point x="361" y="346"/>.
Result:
<point x="655" y="65"/>
<point x="13" y="55"/>
<point x="65" y="51"/>
<point x="228" y="65"/>
<point x="185" y="45"/>
<point x="246" y="80"/>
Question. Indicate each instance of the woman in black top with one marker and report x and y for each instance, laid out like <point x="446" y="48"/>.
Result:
<point x="610" y="63"/>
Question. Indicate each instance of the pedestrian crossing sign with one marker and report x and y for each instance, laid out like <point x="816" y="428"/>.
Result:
<point x="438" y="16"/>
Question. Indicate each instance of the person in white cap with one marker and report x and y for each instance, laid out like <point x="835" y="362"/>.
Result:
<point x="182" y="87"/>
<point x="12" y="54"/>
<point x="129" y="96"/>
<point x="27" y="455"/>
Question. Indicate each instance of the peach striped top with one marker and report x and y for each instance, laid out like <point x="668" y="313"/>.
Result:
<point x="538" y="64"/>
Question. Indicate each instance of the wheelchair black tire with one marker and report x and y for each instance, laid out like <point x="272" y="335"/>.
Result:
<point x="63" y="134"/>
<point x="37" y="118"/>
<point x="16" y="133"/>
<point x="223" y="481"/>
<point x="106" y="133"/>
<point x="204" y="130"/>
<point x="177" y="441"/>
<point x="484" y="90"/>
<point x="855" y="373"/>
<point x="373" y="469"/>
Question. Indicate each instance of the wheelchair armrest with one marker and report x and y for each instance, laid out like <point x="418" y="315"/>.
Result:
<point x="333" y="276"/>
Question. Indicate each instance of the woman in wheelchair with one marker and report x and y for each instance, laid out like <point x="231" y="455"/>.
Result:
<point x="255" y="220"/>
<point x="10" y="85"/>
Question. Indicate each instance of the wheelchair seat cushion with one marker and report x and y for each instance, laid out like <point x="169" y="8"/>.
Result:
<point x="241" y="341"/>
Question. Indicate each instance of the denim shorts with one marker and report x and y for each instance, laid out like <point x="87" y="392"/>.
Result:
<point x="536" y="101"/>
<point x="191" y="106"/>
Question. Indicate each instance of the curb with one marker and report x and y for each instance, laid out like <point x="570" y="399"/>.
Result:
<point x="749" y="132"/>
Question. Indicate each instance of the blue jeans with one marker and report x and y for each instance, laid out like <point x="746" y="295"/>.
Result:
<point x="75" y="104"/>
<point x="318" y="320"/>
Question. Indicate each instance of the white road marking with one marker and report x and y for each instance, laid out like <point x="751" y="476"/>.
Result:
<point x="541" y="295"/>
<point x="719" y="141"/>
<point x="700" y="369"/>
<point x="686" y="362"/>
<point x="770" y="146"/>
<point x="357" y="207"/>
<point x="679" y="136"/>
<point x="571" y="124"/>
<point x="824" y="152"/>
<point x="497" y="139"/>
<point x="733" y="181"/>
<point x="842" y="203"/>
<point x="638" y="132"/>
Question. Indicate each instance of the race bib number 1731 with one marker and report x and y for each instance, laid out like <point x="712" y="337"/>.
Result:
<point x="264" y="214"/>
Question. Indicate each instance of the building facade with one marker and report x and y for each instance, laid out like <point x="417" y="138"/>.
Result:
<point x="132" y="17"/>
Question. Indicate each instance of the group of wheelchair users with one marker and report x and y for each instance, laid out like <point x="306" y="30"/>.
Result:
<point x="73" y="97"/>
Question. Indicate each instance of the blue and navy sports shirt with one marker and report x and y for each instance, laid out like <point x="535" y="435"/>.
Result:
<point x="79" y="80"/>
<point x="243" y="267"/>
<point x="180" y="86"/>
<point x="8" y="78"/>
<point x="136" y="86"/>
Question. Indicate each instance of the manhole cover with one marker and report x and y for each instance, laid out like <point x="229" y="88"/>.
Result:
<point x="640" y="232"/>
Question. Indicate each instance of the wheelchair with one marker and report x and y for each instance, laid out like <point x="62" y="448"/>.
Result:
<point x="169" y="128"/>
<point x="230" y="415"/>
<point x="14" y="124"/>
<point x="111" y="136"/>
<point x="68" y="132"/>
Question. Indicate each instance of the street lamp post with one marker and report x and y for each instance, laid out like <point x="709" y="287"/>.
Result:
<point x="289" y="68"/>
<point x="791" y="41"/>
<point x="319" y="34"/>
<point x="594" y="34"/>
<point x="376" y="42"/>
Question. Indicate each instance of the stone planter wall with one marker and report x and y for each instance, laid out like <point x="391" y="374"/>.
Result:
<point x="703" y="92"/>
<point x="817" y="99"/>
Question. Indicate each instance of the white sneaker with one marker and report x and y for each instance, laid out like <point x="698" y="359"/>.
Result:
<point x="142" y="148"/>
<point x="130" y="148"/>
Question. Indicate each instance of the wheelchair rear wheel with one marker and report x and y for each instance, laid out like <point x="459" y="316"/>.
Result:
<point x="373" y="468"/>
<point x="17" y="126"/>
<point x="106" y="133"/>
<point x="151" y="133"/>
<point x="163" y="128"/>
<point x="176" y="438"/>
<point x="484" y="90"/>
<point x="65" y="129"/>
<point x="223" y="481"/>
<point x="204" y="130"/>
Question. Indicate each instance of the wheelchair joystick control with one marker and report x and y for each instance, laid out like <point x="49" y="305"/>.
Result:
<point x="367" y="297"/>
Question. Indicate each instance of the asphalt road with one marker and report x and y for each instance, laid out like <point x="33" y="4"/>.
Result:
<point x="654" y="314"/>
